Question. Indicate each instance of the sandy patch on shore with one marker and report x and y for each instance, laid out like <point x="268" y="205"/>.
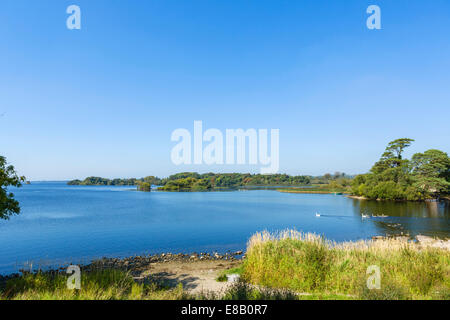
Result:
<point x="196" y="277"/>
<point x="432" y="242"/>
<point x="356" y="197"/>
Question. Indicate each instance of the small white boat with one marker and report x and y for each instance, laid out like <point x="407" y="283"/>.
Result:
<point x="317" y="214"/>
<point x="365" y="216"/>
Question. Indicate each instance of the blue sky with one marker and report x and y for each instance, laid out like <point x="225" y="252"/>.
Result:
<point x="105" y="99"/>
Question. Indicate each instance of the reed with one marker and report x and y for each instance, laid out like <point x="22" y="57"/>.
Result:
<point x="309" y="263"/>
<point x="106" y="284"/>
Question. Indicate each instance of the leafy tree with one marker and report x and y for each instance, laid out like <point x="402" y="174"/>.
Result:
<point x="431" y="163"/>
<point x="144" y="186"/>
<point x="427" y="175"/>
<point x="396" y="147"/>
<point x="387" y="190"/>
<point x="152" y="180"/>
<point x="393" y="155"/>
<point x="431" y="170"/>
<point x="8" y="177"/>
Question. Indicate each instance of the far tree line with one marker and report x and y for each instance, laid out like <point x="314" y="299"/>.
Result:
<point x="186" y="181"/>
<point x="425" y="176"/>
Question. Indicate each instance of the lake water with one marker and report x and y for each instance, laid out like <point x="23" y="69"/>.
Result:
<point x="60" y="224"/>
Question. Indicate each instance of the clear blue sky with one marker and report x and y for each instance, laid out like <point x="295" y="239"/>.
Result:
<point x="104" y="100"/>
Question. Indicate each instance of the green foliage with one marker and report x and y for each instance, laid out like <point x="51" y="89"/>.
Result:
<point x="392" y="156"/>
<point x="186" y="184"/>
<point x="387" y="190"/>
<point x="144" y="186"/>
<point x="339" y="185"/>
<point x="426" y="176"/>
<point x="244" y="291"/>
<point x="106" y="284"/>
<point x="8" y="177"/>
<point x="152" y="180"/>
<point x="192" y="181"/>
<point x="432" y="171"/>
<point x="328" y="178"/>
<point x="98" y="181"/>
<point x="232" y="180"/>
<point x="310" y="264"/>
<point x="388" y="292"/>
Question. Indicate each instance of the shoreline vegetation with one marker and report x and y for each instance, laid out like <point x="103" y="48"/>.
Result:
<point x="426" y="176"/>
<point x="195" y="182"/>
<point x="286" y="265"/>
<point x="192" y="181"/>
<point x="309" y="263"/>
<point x="318" y="189"/>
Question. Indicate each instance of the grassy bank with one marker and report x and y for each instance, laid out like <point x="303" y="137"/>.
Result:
<point x="119" y="285"/>
<point x="308" y="191"/>
<point x="106" y="284"/>
<point x="289" y="265"/>
<point x="323" y="189"/>
<point x="308" y="263"/>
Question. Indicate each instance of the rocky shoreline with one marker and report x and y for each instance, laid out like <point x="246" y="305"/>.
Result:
<point x="138" y="263"/>
<point x="421" y="240"/>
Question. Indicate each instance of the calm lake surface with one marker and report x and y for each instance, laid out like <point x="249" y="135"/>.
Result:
<point x="62" y="224"/>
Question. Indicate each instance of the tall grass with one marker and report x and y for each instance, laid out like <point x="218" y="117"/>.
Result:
<point x="95" y="285"/>
<point x="312" y="264"/>
<point x="286" y="265"/>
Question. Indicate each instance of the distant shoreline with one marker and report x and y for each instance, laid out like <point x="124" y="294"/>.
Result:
<point x="312" y="191"/>
<point x="356" y="197"/>
<point x="197" y="272"/>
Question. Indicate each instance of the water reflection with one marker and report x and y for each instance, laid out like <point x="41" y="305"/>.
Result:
<point x="406" y="218"/>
